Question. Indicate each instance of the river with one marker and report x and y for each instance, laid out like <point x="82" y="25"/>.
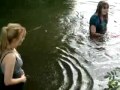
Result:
<point x="57" y="51"/>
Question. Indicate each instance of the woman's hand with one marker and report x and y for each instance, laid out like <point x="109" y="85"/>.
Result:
<point x="24" y="78"/>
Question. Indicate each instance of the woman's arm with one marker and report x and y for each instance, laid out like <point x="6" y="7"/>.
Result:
<point x="9" y="64"/>
<point x="93" y="32"/>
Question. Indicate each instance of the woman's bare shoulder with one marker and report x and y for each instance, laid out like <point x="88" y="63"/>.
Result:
<point x="10" y="57"/>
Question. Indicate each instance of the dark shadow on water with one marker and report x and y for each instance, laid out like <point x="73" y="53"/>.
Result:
<point x="41" y="18"/>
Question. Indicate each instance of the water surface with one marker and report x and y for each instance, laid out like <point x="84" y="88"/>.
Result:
<point x="57" y="52"/>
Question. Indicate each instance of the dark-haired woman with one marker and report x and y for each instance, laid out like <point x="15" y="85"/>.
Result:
<point x="98" y="21"/>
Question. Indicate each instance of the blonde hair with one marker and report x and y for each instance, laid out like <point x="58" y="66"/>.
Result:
<point x="8" y="33"/>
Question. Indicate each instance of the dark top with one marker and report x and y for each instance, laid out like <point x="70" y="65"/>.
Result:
<point x="17" y="74"/>
<point x="101" y="26"/>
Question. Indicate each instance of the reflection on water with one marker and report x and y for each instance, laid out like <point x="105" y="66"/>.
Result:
<point x="57" y="52"/>
<point x="98" y="58"/>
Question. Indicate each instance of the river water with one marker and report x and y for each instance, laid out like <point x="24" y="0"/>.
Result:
<point x="57" y="52"/>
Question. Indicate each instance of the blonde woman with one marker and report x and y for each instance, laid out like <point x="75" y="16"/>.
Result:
<point x="12" y="75"/>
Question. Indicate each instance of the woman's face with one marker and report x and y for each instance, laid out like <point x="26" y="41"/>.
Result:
<point x="104" y="10"/>
<point x="21" y="38"/>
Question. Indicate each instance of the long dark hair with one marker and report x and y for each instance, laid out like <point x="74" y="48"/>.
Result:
<point x="100" y="6"/>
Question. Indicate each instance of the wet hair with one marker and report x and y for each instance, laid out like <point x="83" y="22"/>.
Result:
<point x="8" y="33"/>
<point x="100" y="6"/>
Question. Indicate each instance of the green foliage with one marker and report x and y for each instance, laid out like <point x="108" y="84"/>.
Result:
<point x="114" y="80"/>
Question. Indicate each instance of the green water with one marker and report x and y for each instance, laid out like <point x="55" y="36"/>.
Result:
<point x="40" y="17"/>
<point x="57" y="51"/>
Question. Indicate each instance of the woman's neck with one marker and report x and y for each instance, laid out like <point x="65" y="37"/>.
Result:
<point x="11" y="48"/>
<point x="102" y="18"/>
